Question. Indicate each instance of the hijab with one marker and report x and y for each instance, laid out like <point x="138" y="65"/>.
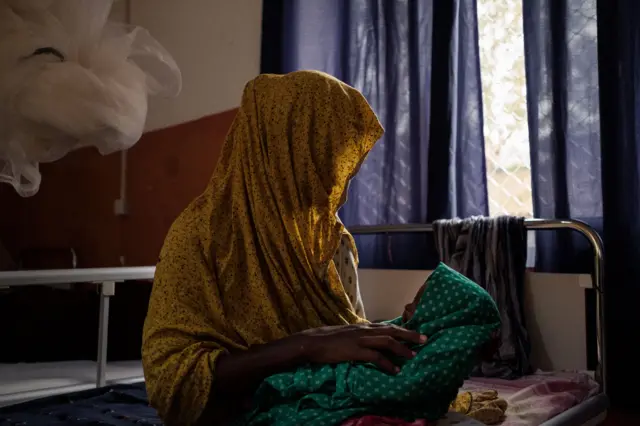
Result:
<point x="251" y="260"/>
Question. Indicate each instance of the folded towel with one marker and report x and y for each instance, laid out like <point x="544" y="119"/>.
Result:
<point x="484" y="406"/>
<point x="493" y="253"/>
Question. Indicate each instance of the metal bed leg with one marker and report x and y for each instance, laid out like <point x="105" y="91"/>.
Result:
<point x="107" y="289"/>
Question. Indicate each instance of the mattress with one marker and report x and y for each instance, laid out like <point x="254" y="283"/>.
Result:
<point x="552" y="399"/>
<point x="23" y="382"/>
<point x="555" y="398"/>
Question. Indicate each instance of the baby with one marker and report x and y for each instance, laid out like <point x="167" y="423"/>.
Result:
<point x="460" y="319"/>
<point x="487" y="351"/>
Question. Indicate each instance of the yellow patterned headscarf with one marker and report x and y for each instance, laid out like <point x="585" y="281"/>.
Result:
<point x="250" y="260"/>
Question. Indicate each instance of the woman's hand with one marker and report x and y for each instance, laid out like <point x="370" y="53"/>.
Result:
<point x="238" y="373"/>
<point x="364" y="343"/>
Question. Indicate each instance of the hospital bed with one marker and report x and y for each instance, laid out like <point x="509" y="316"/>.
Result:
<point x="29" y="381"/>
<point x="114" y="394"/>
<point x="561" y="398"/>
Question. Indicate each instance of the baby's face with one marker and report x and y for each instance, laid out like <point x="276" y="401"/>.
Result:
<point x="410" y="309"/>
<point x="488" y="349"/>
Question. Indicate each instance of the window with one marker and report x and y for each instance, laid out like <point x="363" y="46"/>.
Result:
<point x="504" y="88"/>
<point x="504" y="98"/>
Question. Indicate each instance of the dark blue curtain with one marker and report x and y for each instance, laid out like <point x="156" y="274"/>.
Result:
<point x="619" y="67"/>
<point x="561" y="59"/>
<point x="417" y="63"/>
<point x="583" y="87"/>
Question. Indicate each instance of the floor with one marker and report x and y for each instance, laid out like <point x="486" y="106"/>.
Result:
<point x="22" y="382"/>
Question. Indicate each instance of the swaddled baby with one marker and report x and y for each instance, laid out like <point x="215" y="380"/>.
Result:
<point x="460" y="319"/>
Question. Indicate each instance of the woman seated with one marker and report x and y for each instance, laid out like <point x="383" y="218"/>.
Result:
<point x="246" y="285"/>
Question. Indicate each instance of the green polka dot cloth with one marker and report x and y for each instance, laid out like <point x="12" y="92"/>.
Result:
<point x="458" y="316"/>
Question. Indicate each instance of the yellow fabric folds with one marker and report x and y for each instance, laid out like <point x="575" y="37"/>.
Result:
<point x="250" y="260"/>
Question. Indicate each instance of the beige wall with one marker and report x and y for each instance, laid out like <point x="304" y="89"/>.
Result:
<point x="554" y="310"/>
<point x="216" y="43"/>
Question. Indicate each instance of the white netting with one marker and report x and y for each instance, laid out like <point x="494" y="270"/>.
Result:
<point x="69" y="78"/>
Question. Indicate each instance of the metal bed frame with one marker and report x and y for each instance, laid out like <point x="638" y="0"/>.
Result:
<point x="105" y="279"/>
<point x="597" y="275"/>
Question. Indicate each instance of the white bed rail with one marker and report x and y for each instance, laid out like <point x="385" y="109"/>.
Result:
<point x="104" y="278"/>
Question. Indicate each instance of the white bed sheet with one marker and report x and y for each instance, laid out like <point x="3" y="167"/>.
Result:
<point x="23" y="382"/>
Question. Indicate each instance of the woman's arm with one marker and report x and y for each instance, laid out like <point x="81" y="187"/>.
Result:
<point x="238" y="374"/>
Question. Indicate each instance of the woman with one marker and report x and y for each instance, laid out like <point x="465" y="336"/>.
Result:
<point x="246" y="285"/>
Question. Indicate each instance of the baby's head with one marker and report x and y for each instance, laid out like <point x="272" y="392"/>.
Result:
<point x="487" y="351"/>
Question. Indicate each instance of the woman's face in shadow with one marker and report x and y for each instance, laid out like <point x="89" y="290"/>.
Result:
<point x="344" y="197"/>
